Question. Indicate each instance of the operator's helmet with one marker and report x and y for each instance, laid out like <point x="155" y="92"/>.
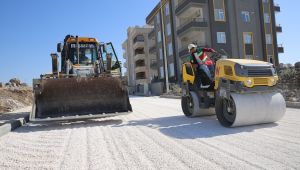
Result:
<point x="191" y="46"/>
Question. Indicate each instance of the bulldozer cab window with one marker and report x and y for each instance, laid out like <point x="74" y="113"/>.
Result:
<point x="87" y="55"/>
<point x="107" y="50"/>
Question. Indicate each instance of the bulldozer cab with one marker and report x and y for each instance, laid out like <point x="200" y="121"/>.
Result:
<point x="83" y="56"/>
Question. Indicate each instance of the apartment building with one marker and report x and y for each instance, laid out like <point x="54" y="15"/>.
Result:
<point x="140" y="64"/>
<point x="242" y="28"/>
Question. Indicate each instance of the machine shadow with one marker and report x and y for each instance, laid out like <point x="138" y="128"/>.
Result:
<point x="181" y="127"/>
<point x="8" y="117"/>
<point x="64" y="125"/>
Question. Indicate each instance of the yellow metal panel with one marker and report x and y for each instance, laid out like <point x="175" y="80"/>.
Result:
<point x="185" y="76"/>
<point x="82" y="39"/>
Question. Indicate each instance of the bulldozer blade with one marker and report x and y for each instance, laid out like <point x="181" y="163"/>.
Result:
<point x="81" y="96"/>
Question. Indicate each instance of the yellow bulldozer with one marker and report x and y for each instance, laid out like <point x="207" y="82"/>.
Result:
<point x="243" y="92"/>
<point x="88" y="85"/>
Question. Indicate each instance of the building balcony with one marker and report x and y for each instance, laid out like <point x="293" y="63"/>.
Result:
<point x="151" y="34"/>
<point x="139" y="44"/>
<point x="278" y="29"/>
<point x="139" y="57"/>
<point x="192" y="23"/>
<point x="141" y="81"/>
<point x="124" y="45"/>
<point x="140" y="63"/>
<point x="152" y="50"/>
<point x="277" y="8"/>
<point x="141" y="76"/>
<point x="280" y="49"/>
<point x="185" y="4"/>
<point x="140" y="69"/>
<point x="124" y="55"/>
<point x="153" y="65"/>
<point x="151" y="43"/>
<point x="183" y="52"/>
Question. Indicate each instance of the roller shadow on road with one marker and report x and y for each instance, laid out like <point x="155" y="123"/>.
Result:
<point x="186" y="128"/>
<point x="63" y="125"/>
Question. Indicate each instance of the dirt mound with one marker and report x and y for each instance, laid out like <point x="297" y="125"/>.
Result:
<point x="12" y="98"/>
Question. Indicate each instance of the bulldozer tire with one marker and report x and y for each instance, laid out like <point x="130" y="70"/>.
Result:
<point x="225" y="111"/>
<point x="190" y="105"/>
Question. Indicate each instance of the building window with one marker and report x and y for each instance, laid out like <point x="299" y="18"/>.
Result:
<point x="158" y="18"/>
<point x="248" y="45"/>
<point x="269" y="39"/>
<point x="138" y="38"/>
<point x="249" y="57"/>
<point x="170" y="49"/>
<point x="169" y="29"/>
<point x="167" y="9"/>
<point x="221" y="37"/>
<point x="161" y="72"/>
<point x="171" y="70"/>
<point x="267" y="18"/>
<point x="270" y="59"/>
<point x="248" y="39"/>
<point x="160" y="54"/>
<point x="265" y="1"/>
<point x="245" y="16"/>
<point x="158" y="36"/>
<point x="219" y="15"/>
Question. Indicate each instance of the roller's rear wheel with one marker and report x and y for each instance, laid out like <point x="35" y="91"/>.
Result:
<point x="225" y="110"/>
<point x="187" y="105"/>
<point x="190" y="105"/>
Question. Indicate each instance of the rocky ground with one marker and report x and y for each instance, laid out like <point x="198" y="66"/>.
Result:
<point x="13" y="98"/>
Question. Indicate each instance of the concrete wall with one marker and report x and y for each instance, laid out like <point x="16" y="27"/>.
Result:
<point x="156" y="88"/>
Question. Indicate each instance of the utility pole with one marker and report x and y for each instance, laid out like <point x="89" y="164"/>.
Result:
<point x="164" y="46"/>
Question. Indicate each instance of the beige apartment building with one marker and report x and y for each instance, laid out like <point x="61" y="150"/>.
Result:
<point x="140" y="63"/>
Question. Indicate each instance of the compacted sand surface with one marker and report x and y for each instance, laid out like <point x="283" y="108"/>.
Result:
<point x="155" y="136"/>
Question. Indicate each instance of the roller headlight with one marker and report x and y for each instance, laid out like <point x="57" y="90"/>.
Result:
<point x="249" y="82"/>
<point x="274" y="72"/>
<point x="240" y="70"/>
<point x="273" y="81"/>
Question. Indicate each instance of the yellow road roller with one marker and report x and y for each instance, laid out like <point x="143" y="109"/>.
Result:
<point x="243" y="92"/>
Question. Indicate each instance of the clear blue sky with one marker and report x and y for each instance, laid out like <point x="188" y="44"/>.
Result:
<point x="29" y="30"/>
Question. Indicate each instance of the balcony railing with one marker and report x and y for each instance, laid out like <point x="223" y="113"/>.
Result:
<point x="153" y="65"/>
<point x="139" y="38"/>
<point x="152" y="50"/>
<point x="278" y="28"/>
<point x="193" y="22"/>
<point x="140" y="75"/>
<point x="179" y="8"/>
<point x="277" y="8"/>
<point x="139" y="57"/>
<point x="151" y="34"/>
<point x="140" y="63"/>
<point x="280" y="49"/>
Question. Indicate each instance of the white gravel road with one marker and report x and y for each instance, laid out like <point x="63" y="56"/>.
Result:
<point x="155" y="136"/>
